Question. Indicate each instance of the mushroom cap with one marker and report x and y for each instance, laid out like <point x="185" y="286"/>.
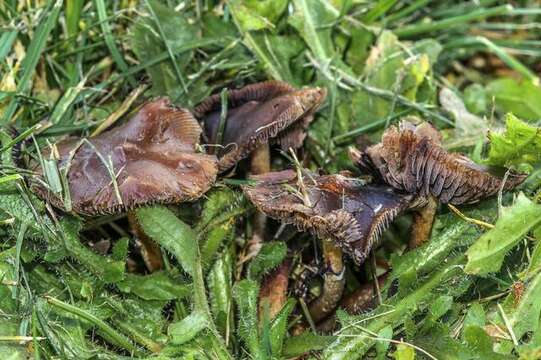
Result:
<point x="153" y="158"/>
<point x="335" y="207"/>
<point x="410" y="158"/>
<point x="257" y="114"/>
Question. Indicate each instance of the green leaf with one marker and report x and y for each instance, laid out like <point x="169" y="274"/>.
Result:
<point x="519" y="146"/>
<point x="186" y="329"/>
<point x="269" y="257"/>
<point x="404" y="352"/>
<point x="487" y="253"/>
<point x="278" y="329"/>
<point x="475" y="98"/>
<point x="383" y="346"/>
<point x="220" y="284"/>
<point x="147" y="43"/>
<point x="518" y="97"/>
<point x="245" y="294"/>
<point x="298" y="345"/>
<point x="156" y="286"/>
<point x="257" y="14"/>
<point x="169" y="232"/>
<point x="104" y="267"/>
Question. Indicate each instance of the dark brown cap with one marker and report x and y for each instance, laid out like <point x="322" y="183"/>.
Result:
<point x="410" y="158"/>
<point x="256" y="114"/>
<point x="335" y="207"/>
<point x="151" y="159"/>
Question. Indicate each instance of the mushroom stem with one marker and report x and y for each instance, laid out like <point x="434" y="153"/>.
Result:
<point x="333" y="282"/>
<point x="274" y="290"/>
<point x="259" y="164"/>
<point x="423" y="219"/>
<point x="150" y="251"/>
<point x="360" y="300"/>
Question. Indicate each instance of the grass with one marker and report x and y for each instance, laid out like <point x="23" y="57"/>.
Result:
<point x="78" y="288"/>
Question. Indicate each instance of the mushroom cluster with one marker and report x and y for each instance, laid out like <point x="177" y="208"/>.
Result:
<point x="165" y="154"/>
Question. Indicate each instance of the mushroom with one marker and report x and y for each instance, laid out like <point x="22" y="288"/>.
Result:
<point x="410" y="158"/>
<point x="257" y="114"/>
<point x="150" y="159"/>
<point x="338" y="209"/>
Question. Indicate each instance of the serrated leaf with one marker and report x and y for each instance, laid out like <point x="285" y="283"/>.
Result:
<point x="104" y="267"/>
<point x="170" y="232"/>
<point x="269" y="257"/>
<point x="278" y="329"/>
<point x="487" y="253"/>
<point x="220" y="284"/>
<point x="245" y="294"/>
<point x="518" y="146"/>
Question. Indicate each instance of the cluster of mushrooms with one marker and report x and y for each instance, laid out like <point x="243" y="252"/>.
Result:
<point x="169" y="155"/>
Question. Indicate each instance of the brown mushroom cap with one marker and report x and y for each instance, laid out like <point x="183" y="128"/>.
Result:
<point x="410" y="158"/>
<point x="335" y="207"/>
<point x="257" y="114"/>
<point x="153" y="157"/>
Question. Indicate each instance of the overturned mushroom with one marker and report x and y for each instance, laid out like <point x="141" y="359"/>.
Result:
<point x="150" y="159"/>
<point x="410" y="158"/>
<point x="335" y="207"/>
<point x="256" y="114"/>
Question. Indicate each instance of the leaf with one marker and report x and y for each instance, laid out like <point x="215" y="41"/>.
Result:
<point x="519" y="146"/>
<point x="156" y="286"/>
<point x="487" y="253"/>
<point x="475" y="98"/>
<point x="278" y="329"/>
<point x="312" y="19"/>
<point x="147" y="44"/>
<point x="104" y="267"/>
<point x="245" y="294"/>
<point x="220" y="283"/>
<point x="168" y="231"/>
<point x="469" y="128"/>
<point x="269" y="257"/>
<point x="257" y="14"/>
<point x="186" y="329"/>
<point x="383" y="346"/>
<point x="301" y="344"/>
<point x="518" y="97"/>
<point x="404" y="352"/>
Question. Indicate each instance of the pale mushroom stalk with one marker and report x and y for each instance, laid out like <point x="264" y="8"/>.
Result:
<point x="423" y="219"/>
<point x="259" y="164"/>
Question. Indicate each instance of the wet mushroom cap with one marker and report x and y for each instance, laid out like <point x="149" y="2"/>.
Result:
<point x="153" y="158"/>
<point x="410" y="158"/>
<point x="335" y="207"/>
<point x="257" y="114"/>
